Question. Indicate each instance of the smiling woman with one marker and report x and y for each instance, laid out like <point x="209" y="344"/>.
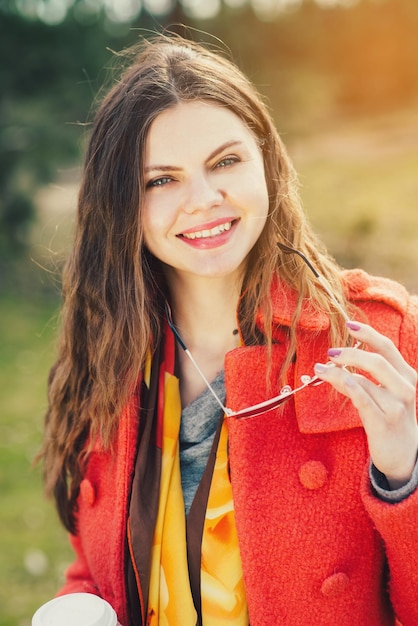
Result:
<point x="224" y="443"/>
<point x="212" y="198"/>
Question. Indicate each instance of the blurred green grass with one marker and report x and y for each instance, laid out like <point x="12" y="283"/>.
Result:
<point x="34" y="549"/>
<point x="359" y="185"/>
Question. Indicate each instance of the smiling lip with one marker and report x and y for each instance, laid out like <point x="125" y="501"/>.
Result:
<point x="210" y="235"/>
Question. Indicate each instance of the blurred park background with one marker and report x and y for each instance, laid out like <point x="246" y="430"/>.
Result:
<point x="342" y="80"/>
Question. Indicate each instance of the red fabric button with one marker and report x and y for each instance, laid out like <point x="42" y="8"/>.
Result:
<point x="313" y="474"/>
<point x="335" y="585"/>
<point x="87" y="492"/>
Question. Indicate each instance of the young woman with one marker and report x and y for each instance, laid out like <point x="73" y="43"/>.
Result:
<point x="204" y="471"/>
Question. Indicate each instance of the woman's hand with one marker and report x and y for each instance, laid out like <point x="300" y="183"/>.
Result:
<point x="386" y="404"/>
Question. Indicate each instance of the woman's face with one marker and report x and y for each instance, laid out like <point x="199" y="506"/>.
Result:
<point x="206" y="199"/>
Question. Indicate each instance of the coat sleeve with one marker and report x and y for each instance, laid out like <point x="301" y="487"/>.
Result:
<point x="397" y="523"/>
<point x="78" y="576"/>
<point x="102" y="513"/>
<point x="398" y="526"/>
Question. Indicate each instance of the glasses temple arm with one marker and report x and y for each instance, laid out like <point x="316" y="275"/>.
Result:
<point x="321" y="279"/>
<point x="189" y="354"/>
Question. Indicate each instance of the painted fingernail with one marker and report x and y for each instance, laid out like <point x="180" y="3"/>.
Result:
<point x="353" y="326"/>
<point x="320" y="368"/>
<point x="334" y="352"/>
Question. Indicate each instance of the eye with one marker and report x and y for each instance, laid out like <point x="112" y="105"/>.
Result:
<point x="227" y="161"/>
<point x="158" y="182"/>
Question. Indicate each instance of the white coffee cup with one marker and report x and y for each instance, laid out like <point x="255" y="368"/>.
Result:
<point x="75" y="609"/>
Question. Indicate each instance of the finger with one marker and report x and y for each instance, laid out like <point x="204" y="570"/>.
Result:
<point x="376" y="405"/>
<point x="350" y="385"/>
<point x="377" y="367"/>
<point x="373" y="401"/>
<point x="389" y="422"/>
<point x="382" y="345"/>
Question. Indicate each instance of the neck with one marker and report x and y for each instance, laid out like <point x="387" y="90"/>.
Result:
<point x="204" y="311"/>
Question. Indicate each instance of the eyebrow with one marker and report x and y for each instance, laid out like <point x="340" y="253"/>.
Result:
<point x="175" y="168"/>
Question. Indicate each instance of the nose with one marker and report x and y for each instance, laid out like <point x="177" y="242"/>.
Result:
<point x="202" y="194"/>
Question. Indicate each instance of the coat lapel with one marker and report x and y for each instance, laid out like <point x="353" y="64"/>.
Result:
<point x="317" y="408"/>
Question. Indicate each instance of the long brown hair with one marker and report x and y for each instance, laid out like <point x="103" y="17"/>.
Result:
<point x="112" y="304"/>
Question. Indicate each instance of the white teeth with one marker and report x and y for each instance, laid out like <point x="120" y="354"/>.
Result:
<point x="199" y="234"/>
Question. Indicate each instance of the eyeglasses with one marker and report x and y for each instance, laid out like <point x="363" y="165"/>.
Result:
<point x="287" y="391"/>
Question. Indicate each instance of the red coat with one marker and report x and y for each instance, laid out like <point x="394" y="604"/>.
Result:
<point x="317" y="546"/>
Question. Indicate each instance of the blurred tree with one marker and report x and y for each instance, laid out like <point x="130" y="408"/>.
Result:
<point x="49" y="77"/>
<point x="362" y="56"/>
<point x="373" y="48"/>
<point x="43" y="88"/>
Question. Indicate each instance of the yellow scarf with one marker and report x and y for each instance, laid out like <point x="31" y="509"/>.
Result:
<point x="170" y="600"/>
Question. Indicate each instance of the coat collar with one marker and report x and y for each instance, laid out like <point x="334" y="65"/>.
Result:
<point x="359" y="287"/>
<point x="317" y="408"/>
<point x="284" y="302"/>
<point x="320" y="409"/>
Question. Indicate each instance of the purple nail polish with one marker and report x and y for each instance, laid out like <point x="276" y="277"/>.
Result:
<point x="320" y="368"/>
<point x="353" y="326"/>
<point x="334" y="352"/>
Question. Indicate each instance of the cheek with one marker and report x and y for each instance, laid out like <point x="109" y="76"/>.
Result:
<point x="257" y="190"/>
<point x="159" y="215"/>
<point x="153" y="222"/>
<point x="261" y="199"/>
<point x="146" y="226"/>
<point x="151" y="229"/>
